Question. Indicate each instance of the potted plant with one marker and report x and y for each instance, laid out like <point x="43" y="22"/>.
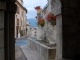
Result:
<point x="21" y="32"/>
<point x="51" y="18"/>
<point x="41" y="22"/>
<point x="37" y="7"/>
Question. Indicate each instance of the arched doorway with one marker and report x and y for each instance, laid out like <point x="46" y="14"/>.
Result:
<point x="70" y="29"/>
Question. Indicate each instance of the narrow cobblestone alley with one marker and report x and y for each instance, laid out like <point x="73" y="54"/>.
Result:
<point x="19" y="55"/>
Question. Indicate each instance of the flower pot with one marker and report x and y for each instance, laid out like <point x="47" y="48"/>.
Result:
<point x="53" y="22"/>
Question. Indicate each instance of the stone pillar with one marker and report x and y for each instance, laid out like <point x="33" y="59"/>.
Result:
<point x="9" y="23"/>
<point x="59" y="37"/>
<point x="2" y="49"/>
<point x="71" y="29"/>
<point x="40" y="33"/>
<point x="7" y="19"/>
<point x="57" y="12"/>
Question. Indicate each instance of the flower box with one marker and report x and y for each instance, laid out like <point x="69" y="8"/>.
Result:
<point x="51" y="18"/>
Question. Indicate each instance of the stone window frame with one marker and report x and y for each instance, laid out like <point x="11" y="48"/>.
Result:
<point x="21" y="22"/>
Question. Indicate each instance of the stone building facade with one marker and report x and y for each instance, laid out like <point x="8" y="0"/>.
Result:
<point x="28" y="28"/>
<point x="52" y="31"/>
<point x="65" y="12"/>
<point x="33" y="31"/>
<point x="48" y="28"/>
<point x="20" y="19"/>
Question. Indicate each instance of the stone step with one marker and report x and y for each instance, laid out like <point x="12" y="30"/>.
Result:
<point x="30" y="54"/>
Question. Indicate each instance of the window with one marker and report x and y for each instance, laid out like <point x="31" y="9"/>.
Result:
<point x="17" y="9"/>
<point x="21" y="23"/>
<point x="22" y="13"/>
<point x="17" y="21"/>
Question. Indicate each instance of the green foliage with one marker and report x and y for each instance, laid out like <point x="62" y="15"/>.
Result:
<point x="21" y="32"/>
<point x="41" y="23"/>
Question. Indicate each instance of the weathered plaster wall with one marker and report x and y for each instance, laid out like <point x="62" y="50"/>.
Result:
<point x="50" y="32"/>
<point x="56" y="30"/>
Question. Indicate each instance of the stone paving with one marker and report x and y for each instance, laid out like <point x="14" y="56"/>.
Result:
<point x="19" y="55"/>
<point x="30" y="54"/>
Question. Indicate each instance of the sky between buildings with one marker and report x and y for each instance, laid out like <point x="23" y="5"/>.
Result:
<point x="30" y="4"/>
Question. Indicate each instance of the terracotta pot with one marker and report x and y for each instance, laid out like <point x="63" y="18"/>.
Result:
<point x="53" y="22"/>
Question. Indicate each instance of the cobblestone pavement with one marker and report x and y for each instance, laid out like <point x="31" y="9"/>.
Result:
<point x="19" y="55"/>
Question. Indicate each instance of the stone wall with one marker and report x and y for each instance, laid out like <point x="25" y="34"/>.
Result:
<point x="68" y="40"/>
<point x="2" y="55"/>
<point x="53" y="32"/>
<point x="40" y="33"/>
<point x="46" y="52"/>
<point x="9" y="18"/>
<point x="71" y="28"/>
<point x="56" y="30"/>
<point x="50" y="32"/>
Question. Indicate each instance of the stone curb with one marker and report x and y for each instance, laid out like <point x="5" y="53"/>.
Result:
<point x="23" y="53"/>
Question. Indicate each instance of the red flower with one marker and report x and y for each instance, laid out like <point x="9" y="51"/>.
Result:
<point x="54" y="17"/>
<point x="37" y="7"/>
<point x="51" y="16"/>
